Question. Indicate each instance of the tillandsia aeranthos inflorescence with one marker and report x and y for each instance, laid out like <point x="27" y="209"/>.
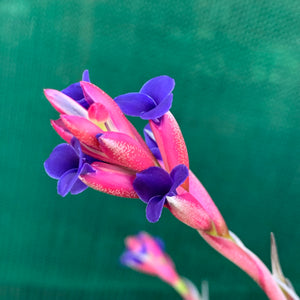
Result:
<point x="146" y="254"/>
<point x="104" y="151"/>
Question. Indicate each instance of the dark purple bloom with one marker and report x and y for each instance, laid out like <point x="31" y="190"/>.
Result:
<point x="66" y="163"/>
<point x="75" y="92"/>
<point x="151" y="142"/>
<point x="151" y="102"/>
<point x="155" y="184"/>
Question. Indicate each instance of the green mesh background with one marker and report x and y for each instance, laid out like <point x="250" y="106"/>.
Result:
<point x="236" y="65"/>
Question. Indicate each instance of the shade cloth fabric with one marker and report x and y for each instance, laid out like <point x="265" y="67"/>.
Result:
<point x="236" y="66"/>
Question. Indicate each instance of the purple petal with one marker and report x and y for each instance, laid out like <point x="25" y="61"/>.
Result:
<point x="155" y="151"/>
<point x="62" y="159"/>
<point x="86" y="76"/>
<point x="158" y="88"/>
<point x="66" y="182"/>
<point x="178" y="175"/>
<point x="149" y="137"/>
<point x="77" y="148"/>
<point x="134" y="104"/>
<point x="130" y="259"/>
<point x="154" y="208"/>
<point x="78" y="187"/>
<point x="89" y="159"/>
<point x="85" y="168"/>
<point x="65" y="104"/>
<point x="151" y="143"/>
<point x="74" y="91"/>
<point x="158" y="111"/>
<point x="152" y="182"/>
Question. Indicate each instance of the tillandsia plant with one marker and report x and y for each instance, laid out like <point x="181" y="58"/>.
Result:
<point x="146" y="254"/>
<point x="105" y="152"/>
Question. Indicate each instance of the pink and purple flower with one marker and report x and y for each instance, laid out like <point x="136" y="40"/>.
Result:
<point x="151" y="102"/>
<point x="154" y="185"/>
<point x="156" y="171"/>
<point x="66" y="163"/>
<point x="146" y="254"/>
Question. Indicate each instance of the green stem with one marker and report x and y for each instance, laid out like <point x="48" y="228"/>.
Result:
<point x="187" y="292"/>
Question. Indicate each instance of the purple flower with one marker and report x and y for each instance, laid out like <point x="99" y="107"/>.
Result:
<point x="155" y="184"/>
<point x="66" y="163"/>
<point x="151" y="142"/>
<point x="75" y="92"/>
<point x="144" y="254"/>
<point x="151" y="102"/>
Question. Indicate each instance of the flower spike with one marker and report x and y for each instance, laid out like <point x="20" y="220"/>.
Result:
<point x="106" y="153"/>
<point x="145" y="254"/>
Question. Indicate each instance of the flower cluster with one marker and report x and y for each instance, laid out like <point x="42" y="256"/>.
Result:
<point x="146" y="254"/>
<point x="105" y="152"/>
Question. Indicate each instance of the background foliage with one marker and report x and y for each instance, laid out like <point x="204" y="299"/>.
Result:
<point x="236" y="65"/>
